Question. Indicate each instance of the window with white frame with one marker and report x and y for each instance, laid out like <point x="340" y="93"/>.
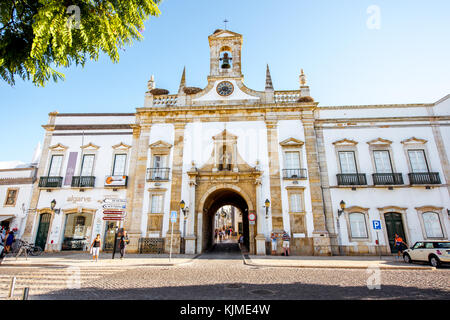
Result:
<point x="432" y="224"/>
<point x="87" y="165"/>
<point x="55" y="166"/>
<point x="347" y="161"/>
<point x="382" y="161"/>
<point x="295" y="202"/>
<point x="292" y="160"/>
<point x="358" y="228"/>
<point x="119" y="167"/>
<point x="156" y="203"/>
<point x="418" y="161"/>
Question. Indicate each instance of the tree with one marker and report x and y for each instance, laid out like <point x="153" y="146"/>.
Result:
<point x="37" y="36"/>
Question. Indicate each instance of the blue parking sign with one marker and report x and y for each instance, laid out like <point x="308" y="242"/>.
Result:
<point x="376" y="224"/>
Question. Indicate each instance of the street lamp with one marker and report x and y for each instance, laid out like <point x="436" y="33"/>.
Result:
<point x="53" y="204"/>
<point x="340" y="212"/>
<point x="185" y="210"/>
<point x="267" y="205"/>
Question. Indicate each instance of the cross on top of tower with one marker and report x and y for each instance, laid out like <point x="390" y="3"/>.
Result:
<point x="225" y="22"/>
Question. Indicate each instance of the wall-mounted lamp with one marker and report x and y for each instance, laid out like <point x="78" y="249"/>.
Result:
<point x="267" y="205"/>
<point x="342" y="205"/>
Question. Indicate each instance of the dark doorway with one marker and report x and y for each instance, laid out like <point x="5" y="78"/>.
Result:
<point x="213" y="204"/>
<point x="394" y="225"/>
<point x="42" y="233"/>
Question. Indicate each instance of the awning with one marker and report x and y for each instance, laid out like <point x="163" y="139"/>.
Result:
<point x="2" y="218"/>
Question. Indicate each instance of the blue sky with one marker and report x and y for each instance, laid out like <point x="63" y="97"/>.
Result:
<point x="405" y="61"/>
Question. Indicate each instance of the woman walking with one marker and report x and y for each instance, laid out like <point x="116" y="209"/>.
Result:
<point x="123" y="242"/>
<point x="95" y="247"/>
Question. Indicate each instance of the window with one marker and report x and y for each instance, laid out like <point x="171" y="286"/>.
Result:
<point x="119" y="164"/>
<point x="87" y="165"/>
<point x="419" y="245"/>
<point x="292" y="160"/>
<point x="418" y="161"/>
<point x="347" y="161"/>
<point x="55" y="166"/>
<point x="157" y="201"/>
<point x="382" y="161"/>
<point x="358" y="225"/>
<point x="11" y="197"/>
<point x="432" y="225"/>
<point x="158" y="161"/>
<point x="296" y="202"/>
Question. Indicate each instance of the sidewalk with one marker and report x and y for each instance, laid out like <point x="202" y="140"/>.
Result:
<point x="339" y="262"/>
<point x="84" y="259"/>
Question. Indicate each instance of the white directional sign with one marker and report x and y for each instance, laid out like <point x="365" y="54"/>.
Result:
<point x="114" y="206"/>
<point x="173" y="216"/>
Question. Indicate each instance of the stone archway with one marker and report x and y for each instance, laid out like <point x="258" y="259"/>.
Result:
<point x="211" y="201"/>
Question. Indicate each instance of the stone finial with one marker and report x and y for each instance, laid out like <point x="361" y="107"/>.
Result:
<point x="302" y="78"/>
<point x="269" y="85"/>
<point x="151" y="84"/>
<point x="182" y="81"/>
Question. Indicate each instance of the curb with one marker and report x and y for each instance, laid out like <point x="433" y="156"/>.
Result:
<point x="114" y="266"/>
<point x="248" y="262"/>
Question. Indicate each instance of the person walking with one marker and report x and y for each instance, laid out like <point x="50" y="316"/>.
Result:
<point x="286" y="239"/>
<point x="123" y="243"/>
<point x="9" y="241"/>
<point x="95" y="247"/>
<point x="273" y="236"/>
<point x="400" y="245"/>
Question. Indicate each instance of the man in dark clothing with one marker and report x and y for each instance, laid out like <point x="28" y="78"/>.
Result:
<point x="123" y="242"/>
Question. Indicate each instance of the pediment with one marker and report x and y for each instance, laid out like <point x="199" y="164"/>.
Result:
<point x="291" y="142"/>
<point x="379" y="141"/>
<point x="345" y="142"/>
<point x="160" y="144"/>
<point x="224" y="34"/>
<point x="414" y="140"/>
<point x="121" y="146"/>
<point x="91" y="146"/>
<point x="58" y="147"/>
<point x="224" y="136"/>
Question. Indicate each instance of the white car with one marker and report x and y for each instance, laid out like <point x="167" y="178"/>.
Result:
<point x="434" y="252"/>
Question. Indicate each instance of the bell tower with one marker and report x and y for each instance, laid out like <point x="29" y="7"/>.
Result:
<point x="225" y="54"/>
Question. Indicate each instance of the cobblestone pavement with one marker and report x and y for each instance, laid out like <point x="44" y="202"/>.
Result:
<point x="222" y="275"/>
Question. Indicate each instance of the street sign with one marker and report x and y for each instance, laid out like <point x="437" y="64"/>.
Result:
<point x="113" y="218"/>
<point x="251" y="222"/>
<point x="114" y="200"/>
<point x="113" y="212"/>
<point x="114" y="206"/>
<point x="376" y="224"/>
<point x="251" y="217"/>
<point x="173" y="216"/>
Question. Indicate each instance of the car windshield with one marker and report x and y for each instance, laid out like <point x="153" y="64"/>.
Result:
<point x="442" y="245"/>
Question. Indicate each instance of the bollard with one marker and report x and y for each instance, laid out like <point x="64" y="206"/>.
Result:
<point x="25" y="293"/>
<point x="11" y="289"/>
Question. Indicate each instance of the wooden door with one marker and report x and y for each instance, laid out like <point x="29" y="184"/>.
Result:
<point x="42" y="234"/>
<point x="394" y="225"/>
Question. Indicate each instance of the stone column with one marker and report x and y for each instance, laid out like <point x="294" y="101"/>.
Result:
<point x="136" y="187"/>
<point x="28" y="234"/>
<point x="261" y="220"/>
<point x="274" y="173"/>
<point x="190" y="233"/>
<point x="322" y="245"/>
<point x="175" y="194"/>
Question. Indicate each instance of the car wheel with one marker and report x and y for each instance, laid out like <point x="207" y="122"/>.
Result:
<point x="407" y="258"/>
<point x="434" y="261"/>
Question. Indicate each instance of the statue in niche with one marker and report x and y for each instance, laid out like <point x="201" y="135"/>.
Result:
<point x="226" y="64"/>
<point x="225" y="159"/>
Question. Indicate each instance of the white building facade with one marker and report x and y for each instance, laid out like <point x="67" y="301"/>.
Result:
<point x="227" y="144"/>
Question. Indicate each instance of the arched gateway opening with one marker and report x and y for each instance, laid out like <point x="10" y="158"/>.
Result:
<point x="213" y="203"/>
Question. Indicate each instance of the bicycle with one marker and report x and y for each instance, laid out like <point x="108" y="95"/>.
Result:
<point x="28" y="248"/>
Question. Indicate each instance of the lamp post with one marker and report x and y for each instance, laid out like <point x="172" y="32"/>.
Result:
<point x="340" y="212"/>
<point x="267" y="205"/>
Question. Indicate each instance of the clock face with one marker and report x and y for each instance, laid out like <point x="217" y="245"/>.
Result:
<point x="225" y="88"/>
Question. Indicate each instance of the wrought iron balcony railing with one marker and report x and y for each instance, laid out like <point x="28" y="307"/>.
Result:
<point x="294" y="174"/>
<point x="424" y="178"/>
<point x="387" y="178"/>
<point x="50" y="182"/>
<point x="158" y="174"/>
<point x="351" y="179"/>
<point x="83" y="182"/>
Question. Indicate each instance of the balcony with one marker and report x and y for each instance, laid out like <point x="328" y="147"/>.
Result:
<point x="351" y="179"/>
<point x="158" y="174"/>
<point x="424" y="178"/>
<point x="83" y="182"/>
<point x="50" y="182"/>
<point x="294" y="174"/>
<point x="387" y="179"/>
